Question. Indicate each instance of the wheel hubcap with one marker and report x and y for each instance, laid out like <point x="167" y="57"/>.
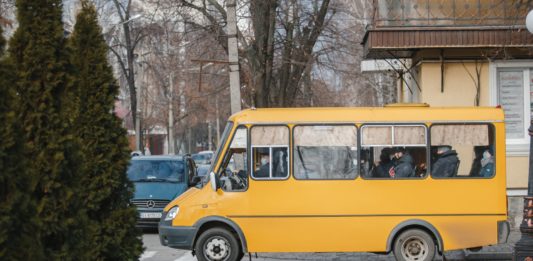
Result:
<point x="217" y="249"/>
<point x="414" y="249"/>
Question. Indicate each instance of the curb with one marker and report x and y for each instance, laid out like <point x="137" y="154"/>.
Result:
<point x="490" y="256"/>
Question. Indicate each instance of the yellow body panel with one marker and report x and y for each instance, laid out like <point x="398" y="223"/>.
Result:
<point x="356" y="215"/>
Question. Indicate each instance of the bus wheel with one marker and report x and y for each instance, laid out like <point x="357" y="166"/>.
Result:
<point x="217" y="244"/>
<point x="414" y="245"/>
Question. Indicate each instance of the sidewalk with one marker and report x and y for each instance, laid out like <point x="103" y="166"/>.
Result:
<point x="497" y="252"/>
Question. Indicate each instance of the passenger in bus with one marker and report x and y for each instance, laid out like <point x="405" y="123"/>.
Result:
<point x="487" y="165"/>
<point x="446" y="164"/>
<point x="385" y="164"/>
<point x="279" y="163"/>
<point x="264" y="169"/>
<point x="404" y="167"/>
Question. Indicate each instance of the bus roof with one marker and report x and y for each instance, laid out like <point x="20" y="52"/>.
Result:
<point x="401" y="114"/>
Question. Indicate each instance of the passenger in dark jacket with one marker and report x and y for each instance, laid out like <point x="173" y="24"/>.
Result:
<point x="446" y="164"/>
<point x="385" y="164"/>
<point x="404" y="166"/>
<point x="487" y="165"/>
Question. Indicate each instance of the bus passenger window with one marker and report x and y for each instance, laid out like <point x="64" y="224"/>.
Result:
<point x="325" y="152"/>
<point x="462" y="150"/>
<point x="397" y="151"/>
<point x="233" y="172"/>
<point x="270" y="152"/>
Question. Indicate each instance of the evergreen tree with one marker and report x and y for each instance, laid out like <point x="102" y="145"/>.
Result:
<point x="53" y="218"/>
<point x="14" y="197"/>
<point x="105" y="146"/>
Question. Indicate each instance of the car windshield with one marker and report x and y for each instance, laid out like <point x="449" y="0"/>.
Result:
<point x="201" y="158"/>
<point x="156" y="171"/>
<point x="202" y="170"/>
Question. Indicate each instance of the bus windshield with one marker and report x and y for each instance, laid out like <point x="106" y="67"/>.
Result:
<point x="225" y="135"/>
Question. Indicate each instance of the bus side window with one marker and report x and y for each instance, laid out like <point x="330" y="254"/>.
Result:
<point x="462" y="150"/>
<point x="270" y="152"/>
<point x="325" y="152"/>
<point x="393" y="151"/>
<point x="233" y="172"/>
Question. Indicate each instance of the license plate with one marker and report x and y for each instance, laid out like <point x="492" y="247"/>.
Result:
<point x="151" y="214"/>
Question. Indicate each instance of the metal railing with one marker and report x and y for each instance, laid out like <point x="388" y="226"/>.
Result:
<point x="450" y="13"/>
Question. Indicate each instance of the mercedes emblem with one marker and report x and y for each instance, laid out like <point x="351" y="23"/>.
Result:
<point x="150" y="204"/>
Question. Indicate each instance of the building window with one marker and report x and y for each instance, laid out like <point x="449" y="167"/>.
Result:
<point x="511" y="87"/>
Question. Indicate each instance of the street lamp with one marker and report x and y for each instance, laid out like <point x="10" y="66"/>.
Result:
<point x="523" y="249"/>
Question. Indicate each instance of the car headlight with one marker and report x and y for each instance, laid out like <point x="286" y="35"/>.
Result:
<point x="172" y="213"/>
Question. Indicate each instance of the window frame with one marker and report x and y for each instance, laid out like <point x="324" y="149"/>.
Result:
<point x="358" y="141"/>
<point x="270" y="147"/>
<point x="225" y="156"/>
<point x="250" y="156"/>
<point x="385" y="124"/>
<point x="217" y="155"/>
<point x="491" y="127"/>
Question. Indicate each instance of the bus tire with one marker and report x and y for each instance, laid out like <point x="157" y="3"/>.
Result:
<point x="414" y="244"/>
<point x="218" y="244"/>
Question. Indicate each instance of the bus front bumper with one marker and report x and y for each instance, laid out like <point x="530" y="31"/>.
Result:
<point x="176" y="237"/>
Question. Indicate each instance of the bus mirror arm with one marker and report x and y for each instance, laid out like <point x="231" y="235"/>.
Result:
<point x="215" y="184"/>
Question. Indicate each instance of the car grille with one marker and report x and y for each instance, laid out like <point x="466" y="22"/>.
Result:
<point x="147" y="203"/>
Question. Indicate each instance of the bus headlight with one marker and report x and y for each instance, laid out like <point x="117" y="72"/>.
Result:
<point x="172" y="213"/>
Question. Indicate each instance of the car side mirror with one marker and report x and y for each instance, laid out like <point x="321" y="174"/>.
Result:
<point x="195" y="180"/>
<point x="214" y="181"/>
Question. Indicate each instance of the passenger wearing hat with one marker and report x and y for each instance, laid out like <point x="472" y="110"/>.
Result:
<point x="487" y="164"/>
<point x="446" y="164"/>
<point x="404" y="166"/>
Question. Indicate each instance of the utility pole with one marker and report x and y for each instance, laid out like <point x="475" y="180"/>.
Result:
<point x="233" y="58"/>
<point x="171" y="115"/>
<point x="138" y="144"/>
<point x="209" y="136"/>
<point x="217" y="120"/>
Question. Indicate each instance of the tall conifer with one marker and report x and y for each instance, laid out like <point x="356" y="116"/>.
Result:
<point x="54" y="217"/>
<point x="105" y="146"/>
<point x="14" y="196"/>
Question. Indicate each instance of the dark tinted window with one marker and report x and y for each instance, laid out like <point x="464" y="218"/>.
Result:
<point x="156" y="170"/>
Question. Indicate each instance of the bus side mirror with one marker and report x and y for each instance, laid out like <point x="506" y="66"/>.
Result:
<point x="214" y="181"/>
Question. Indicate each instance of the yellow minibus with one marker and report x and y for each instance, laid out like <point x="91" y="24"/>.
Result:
<point x="409" y="179"/>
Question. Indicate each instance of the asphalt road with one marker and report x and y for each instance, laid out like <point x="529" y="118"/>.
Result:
<point x="154" y="251"/>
